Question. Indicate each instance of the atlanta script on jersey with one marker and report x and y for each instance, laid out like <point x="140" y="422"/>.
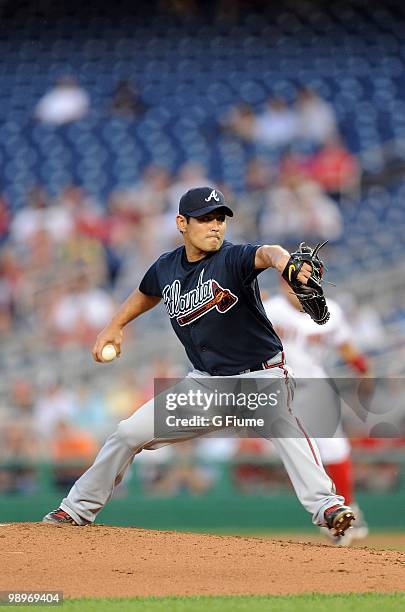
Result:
<point x="215" y="308"/>
<point x="193" y="304"/>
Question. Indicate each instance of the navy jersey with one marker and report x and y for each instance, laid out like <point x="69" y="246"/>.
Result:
<point x="215" y="308"/>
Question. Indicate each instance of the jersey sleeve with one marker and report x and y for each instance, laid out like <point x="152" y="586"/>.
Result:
<point x="149" y="285"/>
<point x="241" y="258"/>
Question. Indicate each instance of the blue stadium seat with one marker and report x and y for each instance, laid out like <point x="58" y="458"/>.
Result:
<point x="189" y="73"/>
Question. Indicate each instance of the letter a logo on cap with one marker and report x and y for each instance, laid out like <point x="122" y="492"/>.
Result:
<point x="214" y="195"/>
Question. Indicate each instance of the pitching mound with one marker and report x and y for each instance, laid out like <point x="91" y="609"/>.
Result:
<point x="102" y="561"/>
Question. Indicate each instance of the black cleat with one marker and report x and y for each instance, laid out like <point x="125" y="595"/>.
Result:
<point x="59" y="517"/>
<point x="339" y="519"/>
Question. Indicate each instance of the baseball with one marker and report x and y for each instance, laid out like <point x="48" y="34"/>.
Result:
<point x="109" y="352"/>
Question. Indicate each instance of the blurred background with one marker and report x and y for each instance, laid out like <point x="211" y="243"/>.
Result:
<point x="108" y="113"/>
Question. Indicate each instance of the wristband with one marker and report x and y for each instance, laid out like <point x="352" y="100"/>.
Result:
<point x="359" y="363"/>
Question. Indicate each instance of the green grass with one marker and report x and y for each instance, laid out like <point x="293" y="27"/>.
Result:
<point x="255" y="603"/>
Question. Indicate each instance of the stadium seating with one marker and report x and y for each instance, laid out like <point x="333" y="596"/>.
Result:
<point x="191" y="70"/>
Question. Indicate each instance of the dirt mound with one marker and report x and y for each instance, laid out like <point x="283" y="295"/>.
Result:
<point x="104" y="561"/>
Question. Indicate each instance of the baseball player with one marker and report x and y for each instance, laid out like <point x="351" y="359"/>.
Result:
<point x="210" y="290"/>
<point x="306" y="346"/>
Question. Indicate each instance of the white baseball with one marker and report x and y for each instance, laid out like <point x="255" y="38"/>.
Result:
<point x="108" y="353"/>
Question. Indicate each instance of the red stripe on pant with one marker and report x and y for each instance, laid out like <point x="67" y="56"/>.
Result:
<point x="298" y="423"/>
<point x="308" y="440"/>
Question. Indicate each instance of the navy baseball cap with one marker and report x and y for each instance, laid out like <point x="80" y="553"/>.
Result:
<point x="201" y="201"/>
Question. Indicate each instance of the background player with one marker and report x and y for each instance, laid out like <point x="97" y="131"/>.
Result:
<point x="306" y="346"/>
<point x="211" y="294"/>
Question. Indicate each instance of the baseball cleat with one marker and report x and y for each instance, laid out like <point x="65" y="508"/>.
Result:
<point x="59" y="517"/>
<point x="339" y="519"/>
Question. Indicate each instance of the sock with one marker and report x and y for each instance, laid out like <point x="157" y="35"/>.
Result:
<point x="342" y="475"/>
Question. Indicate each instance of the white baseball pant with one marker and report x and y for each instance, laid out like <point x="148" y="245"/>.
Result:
<point x="299" y="454"/>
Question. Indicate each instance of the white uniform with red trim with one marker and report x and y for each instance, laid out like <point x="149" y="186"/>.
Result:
<point x="306" y="347"/>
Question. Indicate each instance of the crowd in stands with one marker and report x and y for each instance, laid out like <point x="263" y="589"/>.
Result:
<point x="66" y="261"/>
<point x="67" y="102"/>
<point x="65" y="258"/>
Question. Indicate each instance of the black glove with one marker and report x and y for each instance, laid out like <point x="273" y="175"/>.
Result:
<point x="311" y="295"/>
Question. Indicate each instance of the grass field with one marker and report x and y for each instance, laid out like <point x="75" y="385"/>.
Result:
<point x="311" y="603"/>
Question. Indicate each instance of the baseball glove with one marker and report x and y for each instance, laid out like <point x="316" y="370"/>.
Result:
<point x="311" y="295"/>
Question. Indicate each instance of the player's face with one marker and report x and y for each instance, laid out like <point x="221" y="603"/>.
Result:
<point x="206" y="233"/>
